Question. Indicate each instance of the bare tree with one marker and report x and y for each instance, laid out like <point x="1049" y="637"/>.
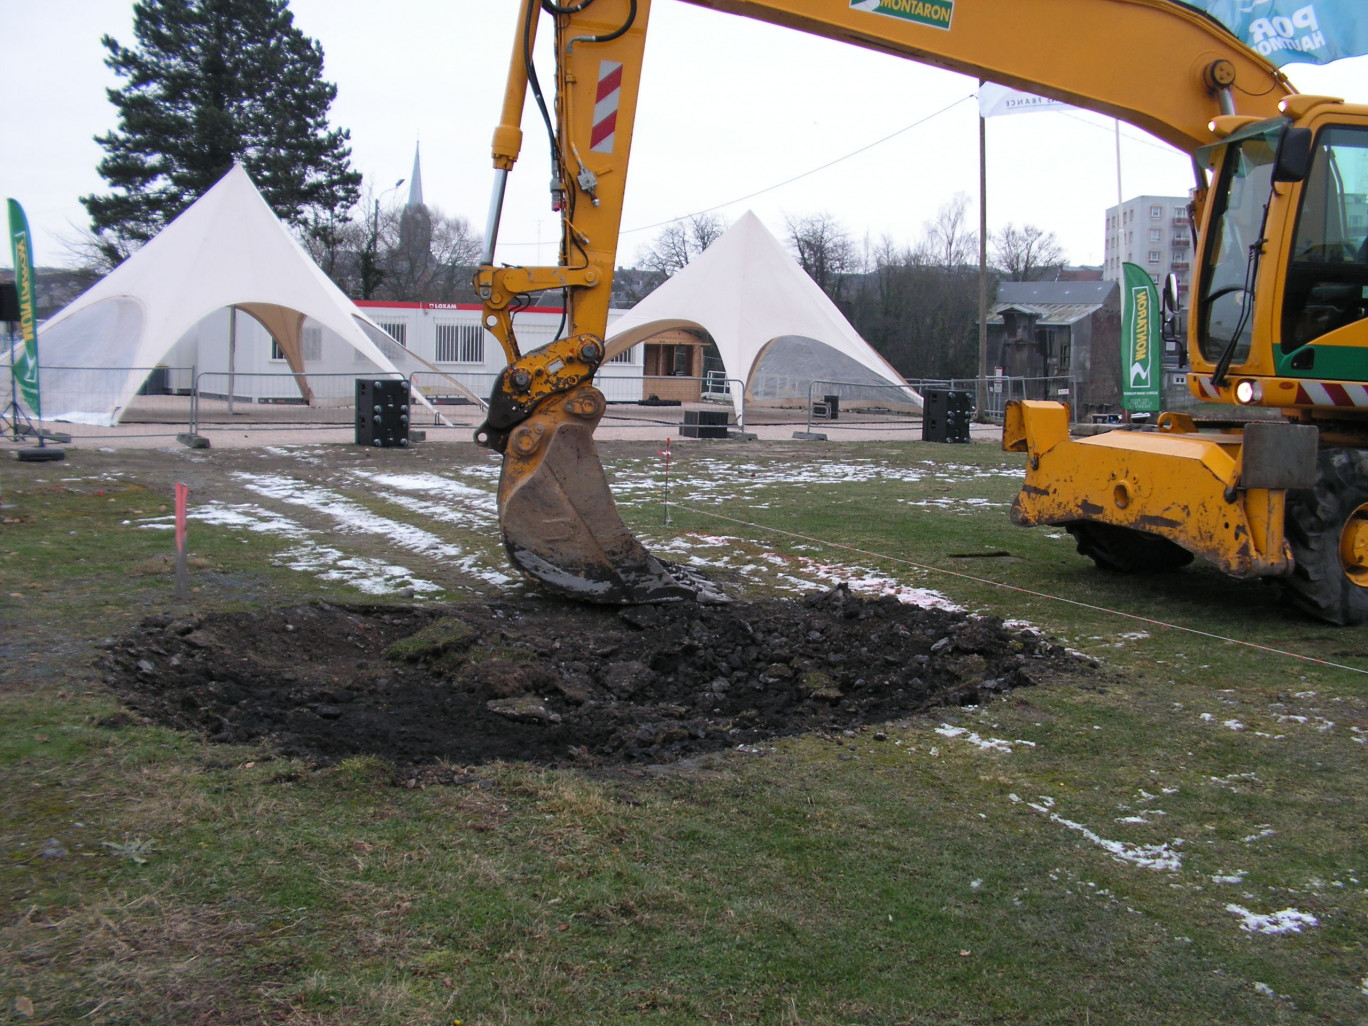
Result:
<point x="429" y="256"/>
<point x="1027" y="253"/>
<point x="918" y="304"/>
<point x="948" y="241"/>
<point x="329" y="240"/>
<point x="825" y="251"/>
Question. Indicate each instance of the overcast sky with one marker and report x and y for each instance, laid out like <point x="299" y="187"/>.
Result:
<point x="729" y="110"/>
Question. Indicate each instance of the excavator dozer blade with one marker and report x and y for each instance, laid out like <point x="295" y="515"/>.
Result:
<point x="559" y="522"/>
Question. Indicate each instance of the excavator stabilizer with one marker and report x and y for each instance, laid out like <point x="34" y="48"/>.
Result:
<point x="558" y="519"/>
<point x="1217" y="495"/>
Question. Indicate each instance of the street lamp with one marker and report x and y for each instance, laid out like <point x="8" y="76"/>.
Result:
<point x="370" y="273"/>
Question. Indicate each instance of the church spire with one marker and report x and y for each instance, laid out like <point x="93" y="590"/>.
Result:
<point x="415" y="198"/>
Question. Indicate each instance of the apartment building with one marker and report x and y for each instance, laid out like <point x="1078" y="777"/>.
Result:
<point x="1151" y="232"/>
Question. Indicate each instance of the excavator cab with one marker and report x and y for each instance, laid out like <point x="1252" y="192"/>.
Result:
<point x="1283" y="269"/>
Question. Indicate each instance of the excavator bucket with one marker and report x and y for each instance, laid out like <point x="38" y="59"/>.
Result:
<point x="559" y="522"/>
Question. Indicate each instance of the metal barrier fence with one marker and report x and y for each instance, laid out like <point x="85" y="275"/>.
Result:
<point x="448" y="391"/>
<point x="717" y="389"/>
<point x="443" y="389"/>
<point x="277" y="401"/>
<point x="991" y="395"/>
<point x="882" y="406"/>
<point x="874" y="405"/>
<point x="85" y="397"/>
<point x="176" y="400"/>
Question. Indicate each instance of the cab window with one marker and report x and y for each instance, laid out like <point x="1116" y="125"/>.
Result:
<point x="1231" y="258"/>
<point x="1327" y="275"/>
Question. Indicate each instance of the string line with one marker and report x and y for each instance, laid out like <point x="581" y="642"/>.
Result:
<point x="1028" y="591"/>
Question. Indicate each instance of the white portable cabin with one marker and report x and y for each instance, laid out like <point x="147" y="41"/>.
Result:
<point x="452" y="338"/>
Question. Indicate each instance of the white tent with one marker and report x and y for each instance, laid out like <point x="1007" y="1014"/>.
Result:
<point x="775" y="330"/>
<point x="228" y="249"/>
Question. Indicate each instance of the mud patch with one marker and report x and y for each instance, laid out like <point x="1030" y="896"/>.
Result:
<point x="559" y="683"/>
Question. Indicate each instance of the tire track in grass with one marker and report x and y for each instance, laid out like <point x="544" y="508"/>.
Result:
<point x="369" y="576"/>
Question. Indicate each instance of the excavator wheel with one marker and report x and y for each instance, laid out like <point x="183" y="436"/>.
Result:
<point x="1327" y="528"/>
<point x="1127" y="551"/>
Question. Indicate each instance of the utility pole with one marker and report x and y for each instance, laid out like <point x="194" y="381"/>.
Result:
<point x="982" y="397"/>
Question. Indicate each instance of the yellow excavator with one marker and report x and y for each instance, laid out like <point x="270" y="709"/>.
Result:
<point x="1276" y="316"/>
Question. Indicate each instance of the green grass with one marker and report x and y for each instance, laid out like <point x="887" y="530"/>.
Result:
<point x="830" y="879"/>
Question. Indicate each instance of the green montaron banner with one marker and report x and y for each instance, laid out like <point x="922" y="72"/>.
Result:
<point x="25" y="369"/>
<point x="936" y="13"/>
<point x="1141" y="372"/>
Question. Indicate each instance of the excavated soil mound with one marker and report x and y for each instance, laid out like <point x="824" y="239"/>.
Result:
<point x="554" y="682"/>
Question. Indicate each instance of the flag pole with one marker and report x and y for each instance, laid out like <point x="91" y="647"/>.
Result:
<point x="982" y="397"/>
<point x="1117" y="122"/>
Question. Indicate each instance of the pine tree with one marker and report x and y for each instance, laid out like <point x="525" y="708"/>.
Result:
<point x="211" y="82"/>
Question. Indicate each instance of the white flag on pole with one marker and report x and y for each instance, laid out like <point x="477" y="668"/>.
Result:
<point x="997" y="99"/>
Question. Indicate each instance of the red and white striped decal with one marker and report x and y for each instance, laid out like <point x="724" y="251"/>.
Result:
<point x="1331" y="393"/>
<point x="606" y="100"/>
<point x="1208" y="390"/>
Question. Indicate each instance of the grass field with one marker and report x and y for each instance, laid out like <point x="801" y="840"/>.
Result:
<point x="1177" y="840"/>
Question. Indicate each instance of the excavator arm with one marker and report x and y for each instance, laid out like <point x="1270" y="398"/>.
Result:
<point x="556" y="514"/>
<point x="1156" y="64"/>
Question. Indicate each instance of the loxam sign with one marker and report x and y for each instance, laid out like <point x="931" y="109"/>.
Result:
<point x="936" y="13"/>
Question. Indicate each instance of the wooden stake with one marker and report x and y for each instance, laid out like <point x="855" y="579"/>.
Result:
<point x="182" y="570"/>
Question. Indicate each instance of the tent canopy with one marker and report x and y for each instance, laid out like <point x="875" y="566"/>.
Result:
<point x="775" y="330"/>
<point x="228" y="249"/>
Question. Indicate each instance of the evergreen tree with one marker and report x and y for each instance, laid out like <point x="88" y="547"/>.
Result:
<point x="211" y="82"/>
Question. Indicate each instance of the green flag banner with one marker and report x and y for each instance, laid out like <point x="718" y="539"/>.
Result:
<point x="1141" y="372"/>
<point x="25" y="368"/>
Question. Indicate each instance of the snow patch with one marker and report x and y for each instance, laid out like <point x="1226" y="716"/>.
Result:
<point x="1289" y="920"/>
<point x="794" y="572"/>
<point x="995" y="744"/>
<point x="353" y="518"/>
<point x="369" y="576"/>
<point x="1160" y="857"/>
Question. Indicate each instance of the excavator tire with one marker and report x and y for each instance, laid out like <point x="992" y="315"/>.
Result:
<point x="1127" y="551"/>
<point x="1327" y="529"/>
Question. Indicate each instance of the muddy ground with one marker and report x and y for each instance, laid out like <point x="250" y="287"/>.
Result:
<point x="557" y="683"/>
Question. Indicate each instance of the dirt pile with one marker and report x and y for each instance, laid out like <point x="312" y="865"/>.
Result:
<point x="553" y="682"/>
